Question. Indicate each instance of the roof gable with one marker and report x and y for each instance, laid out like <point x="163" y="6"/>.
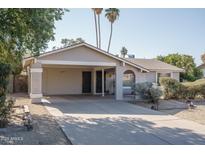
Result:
<point x="111" y="56"/>
<point x="79" y="54"/>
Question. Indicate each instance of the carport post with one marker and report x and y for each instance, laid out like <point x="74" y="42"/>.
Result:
<point x="156" y="77"/>
<point x="94" y="81"/>
<point x="119" y="83"/>
<point x="36" y="83"/>
<point x="103" y="94"/>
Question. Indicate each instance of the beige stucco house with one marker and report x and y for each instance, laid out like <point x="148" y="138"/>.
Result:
<point x="85" y="69"/>
<point x="202" y="68"/>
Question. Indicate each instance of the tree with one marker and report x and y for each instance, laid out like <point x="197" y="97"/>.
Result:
<point x="112" y="14"/>
<point x="185" y="62"/>
<point x="24" y="30"/>
<point x="123" y="52"/>
<point x="69" y="42"/>
<point x="5" y="105"/>
<point x="97" y="12"/>
<point x="96" y="28"/>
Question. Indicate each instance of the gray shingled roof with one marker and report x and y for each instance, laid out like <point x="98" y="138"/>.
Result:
<point x="153" y="64"/>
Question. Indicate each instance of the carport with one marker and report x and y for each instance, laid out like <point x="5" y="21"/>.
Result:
<point x="78" y="70"/>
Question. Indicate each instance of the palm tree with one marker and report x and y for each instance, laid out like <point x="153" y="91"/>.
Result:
<point x="123" y="52"/>
<point x="98" y="11"/>
<point x="96" y="28"/>
<point x="112" y="14"/>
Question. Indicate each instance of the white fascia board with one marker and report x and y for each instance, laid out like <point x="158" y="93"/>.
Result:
<point x="81" y="63"/>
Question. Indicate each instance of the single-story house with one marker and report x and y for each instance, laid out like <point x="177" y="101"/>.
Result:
<point x="85" y="69"/>
<point x="202" y="68"/>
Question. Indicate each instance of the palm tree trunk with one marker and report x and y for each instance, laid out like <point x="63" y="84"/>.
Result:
<point x="96" y="29"/>
<point x="99" y="31"/>
<point x="110" y="38"/>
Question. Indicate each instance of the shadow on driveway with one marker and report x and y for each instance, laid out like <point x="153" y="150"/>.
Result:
<point x="109" y="122"/>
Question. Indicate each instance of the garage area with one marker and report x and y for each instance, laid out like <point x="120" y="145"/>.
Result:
<point x="76" y="80"/>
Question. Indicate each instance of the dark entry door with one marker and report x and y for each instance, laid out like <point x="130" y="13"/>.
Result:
<point x="99" y="81"/>
<point x="86" y="82"/>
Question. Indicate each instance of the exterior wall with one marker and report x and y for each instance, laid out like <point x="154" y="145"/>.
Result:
<point x="119" y="70"/>
<point x="150" y="77"/>
<point x="139" y="77"/>
<point x="59" y="81"/>
<point x="35" y="79"/>
<point x="81" y="54"/>
<point x="175" y="75"/>
<point x="110" y="81"/>
<point x="29" y="81"/>
<point x="146" y="77"/>
<point x="203" y="70"/>
<point x="36" y="82"/>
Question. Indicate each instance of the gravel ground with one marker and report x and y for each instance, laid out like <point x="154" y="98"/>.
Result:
<point x="46" y="131"/>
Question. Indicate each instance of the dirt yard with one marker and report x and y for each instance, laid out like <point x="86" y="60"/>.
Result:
<point x="181" y="109"/>
<point x="196" y="115"/>
<point x="45" y="132"/>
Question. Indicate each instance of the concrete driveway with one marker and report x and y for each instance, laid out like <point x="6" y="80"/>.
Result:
<point x="93" y="120"/>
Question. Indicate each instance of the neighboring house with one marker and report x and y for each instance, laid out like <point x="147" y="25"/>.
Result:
<point x="202" y="68"/>
<point x="85" y="69"/>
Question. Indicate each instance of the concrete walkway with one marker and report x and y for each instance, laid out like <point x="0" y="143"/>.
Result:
<point x="87" y="120"/>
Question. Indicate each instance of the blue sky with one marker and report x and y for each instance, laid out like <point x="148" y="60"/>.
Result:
<point x="144" y="32"/>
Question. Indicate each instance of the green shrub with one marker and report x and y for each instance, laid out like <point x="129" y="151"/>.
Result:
<point x="5" y="105"/>
<point x="176" y="90"/>
<point x="195" y="89"/>
<point x="171" y="87"/>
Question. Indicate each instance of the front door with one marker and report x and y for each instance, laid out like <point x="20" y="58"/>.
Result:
<point x="86" y="82"/>
<point x="99" y="81"/>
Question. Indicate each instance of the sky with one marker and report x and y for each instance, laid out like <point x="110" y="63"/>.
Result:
<point x="146" y="33"/>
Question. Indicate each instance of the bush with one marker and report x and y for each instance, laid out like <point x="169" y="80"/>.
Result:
<point x="5" y="105"/>
<point x="195" y="89"/>
<point x="176" y="90"/>
<point x="5" y="112"/>
<point x="155" y="93"/>
<point x="148" y="91"/>
<point x="143" y="89"/>
<point x="171" y="87"/>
